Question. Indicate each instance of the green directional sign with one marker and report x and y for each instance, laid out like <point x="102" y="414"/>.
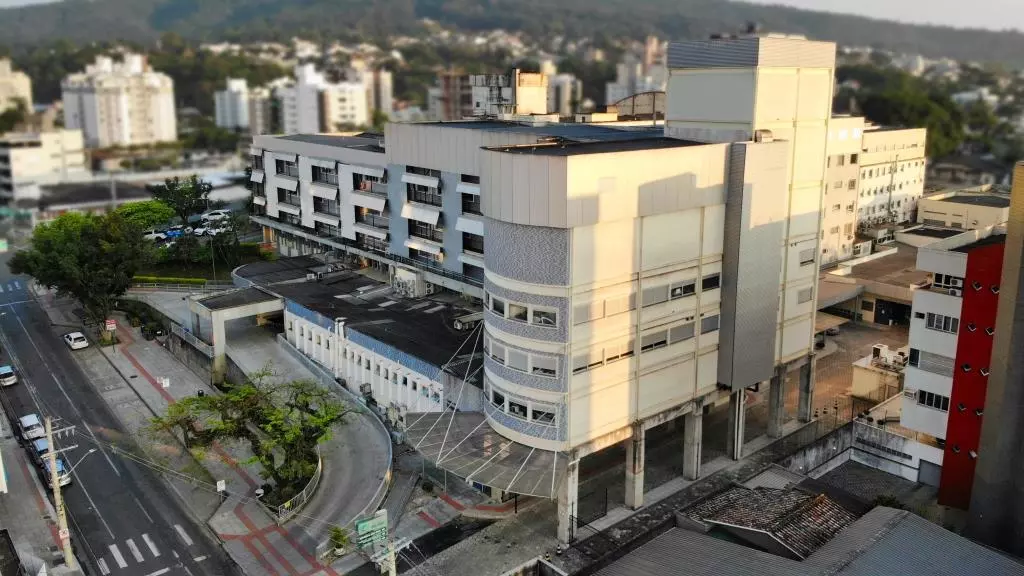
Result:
<point x="3" y="246"/>
<point x="370" y="531"/>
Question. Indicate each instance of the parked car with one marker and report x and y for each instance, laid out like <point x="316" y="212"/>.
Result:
<point x="155" y="235"/>
<point x="218" y="228"/>
<point x="177" y="231"/>
<point x="63" y="473"/>
<point x="7" y="376"/>
<point x="202" y="228"/>
<point x="30" y="427"/>
<point x="832" y="332"/>
<point x="216" y="215"/>
<point x="39" y="449"/>
<point x="76" y="340"/>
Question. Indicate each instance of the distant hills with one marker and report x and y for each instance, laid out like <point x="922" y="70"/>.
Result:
<point x="211" y="20"/>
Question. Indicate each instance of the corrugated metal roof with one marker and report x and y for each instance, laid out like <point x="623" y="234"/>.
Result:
<point x="774" y="477"/>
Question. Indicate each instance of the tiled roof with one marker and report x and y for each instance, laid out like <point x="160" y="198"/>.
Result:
<point x="802" y="522"/>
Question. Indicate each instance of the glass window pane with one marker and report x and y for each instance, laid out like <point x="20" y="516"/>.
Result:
<point x="545" y="317"/>
<point x="516" y="312"/>
<point x="681" y="333"/>
<point x="517" y="360"/>
<point x="709" y="324"/>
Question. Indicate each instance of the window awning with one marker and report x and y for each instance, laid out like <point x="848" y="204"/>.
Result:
<point x="423" y="246"/>
<point x="368" y="171"/>
<point x="254" y="151"/>
<point x="294" y="210"/>
<point x="369" y="201"/>
<point x="470" y="224"/>
<point x="257" y="176"/>
<point x="287" y="184"/>
<point x="467" y="188"/>
<point x="329" y="164"/>
<point x="471" y="260"/>
<point x="428" y="181"/>
<point x="464" y="444"/>
<point x="371" y="231"/>
<point x="427" y="214"/>
<point x="283" y="156"/>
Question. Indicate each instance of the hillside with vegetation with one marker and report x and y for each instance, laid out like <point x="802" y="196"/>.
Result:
<point x="143" y="21"/>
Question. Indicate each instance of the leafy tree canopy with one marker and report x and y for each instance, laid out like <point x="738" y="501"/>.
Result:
<point x="90" y="258"/>
<point x="147" y="214"/>
<point x="910" y="109"/>
<point x="186" y="197"/>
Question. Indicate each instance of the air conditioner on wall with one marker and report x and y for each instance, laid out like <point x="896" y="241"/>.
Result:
<point x="955" y="292"/>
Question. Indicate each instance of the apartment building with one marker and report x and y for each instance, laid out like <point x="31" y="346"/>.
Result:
<point x="842" y="182"/>
<point x="565" y="94"/>
<point x="515" y="93"/>
<point x="892" y="172"/>
<point x="451" y="98"/>
<point x="310" y="103"/>
<point x="635" y="74"/>
<point x="607" y="260"/>
<point x="120" y="103"/>
<point x="261" y="119"/>
<point x="14" y="85"/>
<point x="231" y="105"/>
<point x="28" y="159"/>
<point x="950" y="356"/>
<point x="344" y="106"/>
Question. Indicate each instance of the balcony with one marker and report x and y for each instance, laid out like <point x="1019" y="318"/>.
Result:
<point x="375" y="220"/>
<point x="324" y="178"/>
<point x="370" y="243"/>
<point x="427" y="233"/>
<point x="289" y="170"/>
<point x="290" y="200"/>
<point x="423" y="195"/>
<point x="379" y="188"/>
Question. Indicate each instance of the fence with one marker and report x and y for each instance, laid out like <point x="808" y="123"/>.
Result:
<point x="285" y="511"/>
<point x="172" y="287"/>
<point x="191" y="338"/>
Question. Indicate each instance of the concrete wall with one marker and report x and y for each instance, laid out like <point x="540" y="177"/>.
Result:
<point x="937" y="211"/>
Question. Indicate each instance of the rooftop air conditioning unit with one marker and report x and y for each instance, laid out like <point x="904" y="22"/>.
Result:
<point x="879" y="351"/>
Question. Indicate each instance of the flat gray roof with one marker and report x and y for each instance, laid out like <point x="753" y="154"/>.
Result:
<point x="989" y="200"/>
<point x="899" y="269"/>
<point x="367" y="142"/>
<point x="236" y="298"/>
<point x="281" y="270"/>
<point x="932" y="232"/>
<point x="574" y="148"/>
<point x="567" y="130"/>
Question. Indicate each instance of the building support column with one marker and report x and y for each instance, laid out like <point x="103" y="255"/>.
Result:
<point x="737" y="423"/>
<point x="777" y="402"/>
<point x="693" y="438"/>
<point x="219" y="363"/>
<point x="806" y="402"/>
<point x="197" y="325"/>
<point x="635" y="448"/>
<point x="568" y="497"/>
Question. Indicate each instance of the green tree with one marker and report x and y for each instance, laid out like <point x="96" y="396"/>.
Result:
<point x="914" y="108"/>
<point x="90" y="258"/>
<point x="281" y="422"/>
<point x="380" y="118"/>
<point x="147" y="214"/>
<point x="187" y="198"/>
<point x="14" y="116"/>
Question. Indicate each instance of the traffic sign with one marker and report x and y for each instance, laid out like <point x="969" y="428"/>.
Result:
<point x="3" y="245"/>
<point x="373" y="530"/>
<point x="111" y="325"/>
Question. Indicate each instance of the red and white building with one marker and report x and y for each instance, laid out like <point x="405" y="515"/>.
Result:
<point x="951" y="335"/>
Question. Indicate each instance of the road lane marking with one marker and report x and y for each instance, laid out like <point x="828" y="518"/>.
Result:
<point x="199" y="558"/>
<point x="184" y="536"/>
<point x="135" y="551"/>
<point x="103" y="566"/>
<point x="143" y="510"/>
<point x="159" y="572"/>
<point x="17" y="285"/>
<point x="152" y="547"/>
<point x="117" y="556"/>
<point x="13" y="303"/>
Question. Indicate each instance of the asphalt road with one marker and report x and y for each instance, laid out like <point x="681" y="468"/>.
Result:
<point x="124" y="520"/>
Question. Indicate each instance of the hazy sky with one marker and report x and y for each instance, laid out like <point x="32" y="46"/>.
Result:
<point x="992" y="14"/>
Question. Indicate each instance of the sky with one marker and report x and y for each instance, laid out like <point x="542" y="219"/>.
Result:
<point x="991" y="14"/>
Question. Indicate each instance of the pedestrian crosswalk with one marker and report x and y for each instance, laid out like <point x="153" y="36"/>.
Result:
<point x="10" y="286"/>
<point x="142" y="549"/>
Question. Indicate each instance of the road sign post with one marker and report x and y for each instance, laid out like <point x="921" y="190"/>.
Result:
<point x="374" y="530"/>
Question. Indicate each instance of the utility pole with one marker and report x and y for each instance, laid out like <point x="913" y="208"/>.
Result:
<point x="58" y="500"/>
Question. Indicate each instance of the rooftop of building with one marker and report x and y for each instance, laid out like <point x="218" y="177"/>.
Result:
<point x="567" y="130"/>
<point x="419" y="327"/>
<point x="83" y="193"/>
<point x="897" y="267"/>
<point x="281" y="270"/>
<point x="884" y="540"/>
<point x="979" y="200"/>
<point x="577" y="148"/>
<point x="800" y="521"/>
<point x="933" y="232"/>
<point x="366" y="141"/>
<point x="995" y="238"/>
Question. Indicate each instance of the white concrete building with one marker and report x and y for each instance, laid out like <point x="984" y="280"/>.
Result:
<point x="120" y="104"/>
<point x="628" y="275"/>
<point x="892" y="173"/>
<point x="260" y="111"/>
<point x="515" y="93"/>
<point x="14" y="85"/>
<point x="344" y="106"/>
<point x="633" y="76"/>
<point x="969" y="208"/>
<point x="231" y="105"/>
<point x="300" y="101"/>
<point x="842" y="181"/>
<point x="32" y="159"/>
<point x="565" y="94"/>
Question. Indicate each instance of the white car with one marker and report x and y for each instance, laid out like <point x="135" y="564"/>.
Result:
<point x="30" y="427"/>
<point x="202" y="228"/>
<point x="7" y="376"/>
<point x="76" y="340"/>
<point x="216" y="215"/>
<point x="155" y="235"/>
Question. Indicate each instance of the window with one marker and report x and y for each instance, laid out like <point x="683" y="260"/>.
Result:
<point x="655" y="295"/>
<point x="545" y="365"/>
<point x="405" y="380"/>
<point x="498" y="353"/>
<point x="681" y="290"/>
<point x="852" y="184"/>
<point x="498" y="399"/>
<point x="470" y="179"/>
<point x="841" y="160"/>
<point x="470" y="204"/>
<point x="517" y="312"/>
<point x="807" y="257"/>
<point x="710" y="282"/>
<point x="836" y="207"/>
<point x="867" y="305"/>
<point x="915" y="357"/>
<point x="325" y="175"/>
<point x="517" y="409"/>
<point x="542" y="416"/>
<point x="919" y="315"/>
<point x="472" y="243"/>
<point x="654" y="341"/>
<point x="582" y="313"/>
<point x="425" y="231"/>
<point x="838" y="185"/>
<point x="517" y="360"/>
<point x="681" y="333"/>
<point x="834" y="230"/>
<point x="709" y="324"/>
<point x="541" y="317"/>
<point x="804" y="295"/>
<point x="414" y="384"/>
<point x="853" y="158"/>
<point x="848" y="228"/>
<point x="286" y="168"/>
<point x="621" y="304"/>
<point x="620" y="351"/>
<point x="933" y="400"/>
<point x="288" y="197"/>
<point x="498" y="306"/>
<point x="942" y="323"/>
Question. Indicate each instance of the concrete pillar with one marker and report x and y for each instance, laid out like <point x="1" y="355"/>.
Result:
<point x="806" y="402"/>
<point x="635" y="468"/>
<point x="197" y="324"/>
<point x="219" y="365"/>
<point x="737" y="423"/>
<point x="693" y="436"/>
<point x="568" y="497"/>
<point x="777" y="402"/>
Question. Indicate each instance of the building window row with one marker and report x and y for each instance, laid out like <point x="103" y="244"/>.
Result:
<point x="947" y="281"/>
<point x="583" y="313"/>
<point x="942" y="323"/>
<point x="933" y="400"/>
<point x="422" y="171"/>
<point x="532" y="314"/>
<point x="521" y="360"/>
<point x="676" y="290"/>
<point x="607" y="354"/>
<point x="528" y="410"/>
